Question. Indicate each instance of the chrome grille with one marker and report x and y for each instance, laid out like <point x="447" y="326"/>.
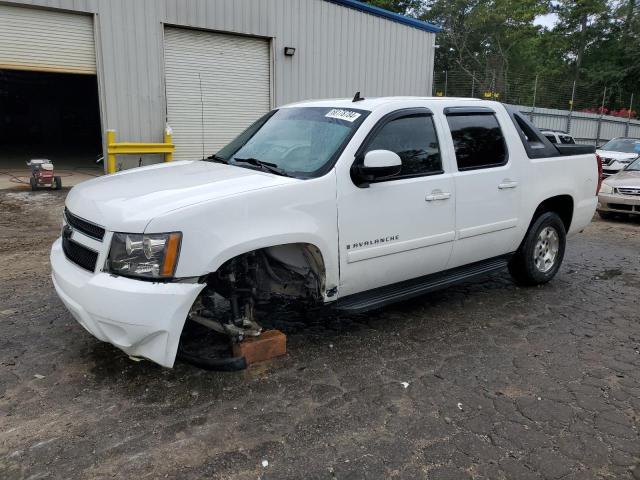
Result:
<point x="89" y="229"/>
<point x="635" y="191"/>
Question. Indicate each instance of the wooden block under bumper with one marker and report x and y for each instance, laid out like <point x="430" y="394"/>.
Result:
<point x="270" y="344"/>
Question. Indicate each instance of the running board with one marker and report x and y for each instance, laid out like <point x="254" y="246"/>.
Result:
<point x="379" y="297"/>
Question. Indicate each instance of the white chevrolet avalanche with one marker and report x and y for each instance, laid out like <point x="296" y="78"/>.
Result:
<point x="356" y="203"/>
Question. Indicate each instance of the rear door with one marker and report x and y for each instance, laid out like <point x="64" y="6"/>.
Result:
<point x="488" y="185"/>
<point x="401" y="227"/>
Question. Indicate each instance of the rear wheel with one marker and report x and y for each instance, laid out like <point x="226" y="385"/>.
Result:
<point x="539" y="257"/>
<point x="34" y="183"/>
<point x="57" y="183"/>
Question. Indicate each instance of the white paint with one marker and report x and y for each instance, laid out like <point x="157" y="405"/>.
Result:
<point x="224" y="211"/>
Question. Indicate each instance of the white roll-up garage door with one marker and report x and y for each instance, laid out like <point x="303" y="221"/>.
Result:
<point x="45" y="40"/>
<point x="217" y="85"/>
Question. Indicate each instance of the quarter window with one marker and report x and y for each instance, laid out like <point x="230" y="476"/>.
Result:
<point x="414" y="139"/>
<point x="478" y="141"/>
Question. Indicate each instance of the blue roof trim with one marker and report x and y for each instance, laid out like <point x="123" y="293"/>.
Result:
<point x="394" y="17"/>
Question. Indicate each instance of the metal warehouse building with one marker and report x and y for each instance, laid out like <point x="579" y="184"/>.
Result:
<point x="71" y="69"/>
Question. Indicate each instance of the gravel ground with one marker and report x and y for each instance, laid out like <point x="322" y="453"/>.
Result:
<point x="484" y="380"/>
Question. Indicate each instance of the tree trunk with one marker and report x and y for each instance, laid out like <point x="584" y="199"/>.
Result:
<point x="631" y="6"/>
<point x="582" y="44"/>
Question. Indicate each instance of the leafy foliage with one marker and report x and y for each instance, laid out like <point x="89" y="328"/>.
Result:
<point x="594" y="43"/>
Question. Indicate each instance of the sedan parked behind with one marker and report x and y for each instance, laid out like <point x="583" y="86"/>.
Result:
<point x="618" y="153"/>
<point x="620" y="193"/>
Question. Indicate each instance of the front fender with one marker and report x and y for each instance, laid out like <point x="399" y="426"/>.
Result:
<point x="216" y="231"/>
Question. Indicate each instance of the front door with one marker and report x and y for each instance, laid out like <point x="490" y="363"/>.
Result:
<point x="401" y="227"/>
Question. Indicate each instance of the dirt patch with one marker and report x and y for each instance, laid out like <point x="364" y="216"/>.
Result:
<point x="484" y="380"/>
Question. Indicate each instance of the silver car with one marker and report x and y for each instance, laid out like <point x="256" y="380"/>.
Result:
<point x="620" y="193"/>
<point x="618" y="153"/>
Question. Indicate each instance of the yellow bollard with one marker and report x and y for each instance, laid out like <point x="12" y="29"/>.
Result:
<point x="137" y="148"/>
<point x="111" y="157"/>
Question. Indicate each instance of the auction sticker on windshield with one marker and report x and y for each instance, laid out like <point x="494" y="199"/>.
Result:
<point x="341" y="114"/>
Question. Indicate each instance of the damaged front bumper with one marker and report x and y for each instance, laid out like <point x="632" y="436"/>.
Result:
<point x="141" y="318"/>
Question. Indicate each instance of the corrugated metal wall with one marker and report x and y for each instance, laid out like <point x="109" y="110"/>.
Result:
<point x="338" y="51"/>
<point x="583" y="126"/>
<point x="46" y="40"/>
<point x="216" y="86"/>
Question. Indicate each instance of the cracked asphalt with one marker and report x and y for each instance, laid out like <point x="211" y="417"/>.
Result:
<point x="482" y="381"/>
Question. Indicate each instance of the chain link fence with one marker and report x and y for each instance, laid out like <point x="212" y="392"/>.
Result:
<point x="592" y="115"/>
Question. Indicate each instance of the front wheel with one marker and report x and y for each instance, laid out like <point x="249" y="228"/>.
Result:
<point x="57" y="183"/>
<point x="539" y="257"/>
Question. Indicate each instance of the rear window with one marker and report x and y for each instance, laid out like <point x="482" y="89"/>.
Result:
<point x="551" y="138"/>
<point x="478" y="141"/>
<point x="624" y="145"/>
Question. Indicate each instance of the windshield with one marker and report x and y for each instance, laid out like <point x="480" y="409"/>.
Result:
<point x="302" y="142"/>
<point x="635" y="165"/>
<point x="625" y="145"/>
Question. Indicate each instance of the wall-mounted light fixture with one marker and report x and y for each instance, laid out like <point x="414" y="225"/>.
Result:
<point x="289" y="51"/>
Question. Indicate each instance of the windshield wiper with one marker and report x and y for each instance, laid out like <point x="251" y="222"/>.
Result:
<point x="217" y="158"/>
<point x="268" y="166"/>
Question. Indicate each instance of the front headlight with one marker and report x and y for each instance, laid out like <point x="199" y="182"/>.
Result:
<point x="606" y="188"/>
<point x="152" y="255"/>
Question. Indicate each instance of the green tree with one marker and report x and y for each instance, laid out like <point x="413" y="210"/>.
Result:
<point x="495" y="45"/>
<point x="405" y="7"/>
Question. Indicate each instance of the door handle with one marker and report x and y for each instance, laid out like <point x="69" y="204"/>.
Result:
<point x="437" y="195"/>
<point x="507" y="184"/>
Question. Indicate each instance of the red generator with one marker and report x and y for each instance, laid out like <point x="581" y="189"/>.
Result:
<point x="42" y="175"/>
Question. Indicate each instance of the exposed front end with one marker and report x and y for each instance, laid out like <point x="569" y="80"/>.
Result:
<point x="141" y="316"/>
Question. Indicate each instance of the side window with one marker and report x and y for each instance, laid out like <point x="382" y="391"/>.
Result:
<point x="414" y="139"/>
<point x="478" y="141"/>
<point x="552" y="138"/>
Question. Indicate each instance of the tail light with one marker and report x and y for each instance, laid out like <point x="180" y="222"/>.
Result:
<point x="600" y="177"/>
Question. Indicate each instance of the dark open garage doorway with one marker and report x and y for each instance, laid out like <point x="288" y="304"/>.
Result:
<point x="55" y="116"/>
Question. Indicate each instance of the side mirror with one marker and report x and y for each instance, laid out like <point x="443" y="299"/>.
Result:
<point x="376" y="165"/>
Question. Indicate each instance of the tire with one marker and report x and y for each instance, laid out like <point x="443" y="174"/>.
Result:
<point x="605" y="215"/>
<point x="34" y="183"/>
<point x="57" y="183"/>
<point x="540" y="255"/>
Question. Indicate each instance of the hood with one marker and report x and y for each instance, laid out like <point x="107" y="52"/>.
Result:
<point x="616" y="155"/>
<point x="127" y="201"/>
<point x="624" y="178"/>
